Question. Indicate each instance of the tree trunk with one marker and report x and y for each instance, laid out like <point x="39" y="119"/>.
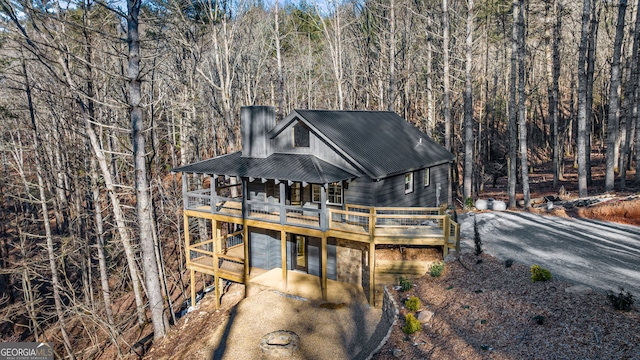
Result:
<point x="446" y="102"/>
<point x="591" y="64"/>
<point x="582" y="101"/>
<point x="513" y="115"/>
<point x="631" y="101"/>
<point x="522" y="116"/>
<point x="613" y="118"/>
<point x="468" y="106"/>
<point x="554" y="93"/>
<point x="143" y="205"/>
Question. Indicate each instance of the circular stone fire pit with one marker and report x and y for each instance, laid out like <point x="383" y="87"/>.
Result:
<point x="280" y="343"/>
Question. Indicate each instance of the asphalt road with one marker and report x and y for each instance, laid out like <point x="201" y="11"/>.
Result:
<point x="598" y="254"/>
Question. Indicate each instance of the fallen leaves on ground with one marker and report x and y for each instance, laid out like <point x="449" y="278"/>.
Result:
<point x="485" y="310"/>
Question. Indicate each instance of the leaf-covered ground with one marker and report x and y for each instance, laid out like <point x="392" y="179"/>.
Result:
<point x="485" y="310"/>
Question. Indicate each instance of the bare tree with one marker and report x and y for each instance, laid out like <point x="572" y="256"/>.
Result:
<point x="143" y="204"/>
<point x="582" y="100"/>
<point x="513" y="114"/>
<point x="468" y="105"/>
<point x="614" y="100"/>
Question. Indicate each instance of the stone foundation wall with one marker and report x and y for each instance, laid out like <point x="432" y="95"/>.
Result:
<point x="350" y="262"/>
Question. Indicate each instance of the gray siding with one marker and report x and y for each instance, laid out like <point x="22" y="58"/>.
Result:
<point x="360" y="192"/>
<point x="390" y="191"/>
<point x="264" y="249"/>
<point x="314" y="258"/>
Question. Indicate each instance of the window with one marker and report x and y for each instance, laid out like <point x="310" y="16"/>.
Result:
<point x="334" y="193"/>
<point x="408" y="183"/>
<point x="427" y="177"/>
<point x="295" y="194"/>
<point x="300" y="135"/>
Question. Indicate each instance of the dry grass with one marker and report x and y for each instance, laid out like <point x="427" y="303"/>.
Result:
<point x="487" y="311"/>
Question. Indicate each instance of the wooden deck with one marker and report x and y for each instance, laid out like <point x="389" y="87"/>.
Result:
<point x="374" y="226"/>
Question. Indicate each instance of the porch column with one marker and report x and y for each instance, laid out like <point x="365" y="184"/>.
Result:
<point x="324" y="224"/>
<point x="324" y="266"/>
<point x="245" y="194"/>
<point x="283" y="200"/>
<point x="283" y="247"/>
<point x="185" y="187"/>
<point x="214" y="196"/>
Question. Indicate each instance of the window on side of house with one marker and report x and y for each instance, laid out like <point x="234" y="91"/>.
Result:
<point x="427" y="177"/>
<point x="408" y="183"/>
<point x="300" y="135"/>
<point x="334" y="193"/>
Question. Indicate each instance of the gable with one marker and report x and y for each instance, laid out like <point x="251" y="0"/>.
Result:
<point x="379" y="143"/>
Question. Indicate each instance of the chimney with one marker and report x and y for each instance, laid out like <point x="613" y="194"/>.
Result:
<point x="255" y="124"/>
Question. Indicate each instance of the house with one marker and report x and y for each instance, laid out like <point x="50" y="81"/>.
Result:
<point x="315" y="194"/>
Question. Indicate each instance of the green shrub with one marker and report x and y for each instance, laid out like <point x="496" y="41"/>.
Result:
<point x="413" y="303"/>
<point x="538" y="319"/>
<point x="411" y="324"/>
<point x="436" y="269"/>
<point x="405" y="284"/>
<point x="539" y="274"/>
<point x="620" y="301"/>
<point x="468" y="203"/>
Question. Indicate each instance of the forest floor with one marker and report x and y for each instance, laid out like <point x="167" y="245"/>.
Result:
<point x="483" y="310"/>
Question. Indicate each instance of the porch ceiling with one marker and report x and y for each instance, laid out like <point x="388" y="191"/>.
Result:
<point x="294" y="167"/>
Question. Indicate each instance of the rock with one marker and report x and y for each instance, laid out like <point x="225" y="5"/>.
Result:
<point x="425" y="316"/>
<point x="578" y="289"/>
<point x="451" y="257"/>
<point x="396" y="352"/>
<point x="498" y="205"/>
<point x="482" y="204"/>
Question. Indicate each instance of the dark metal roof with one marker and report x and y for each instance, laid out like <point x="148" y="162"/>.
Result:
<point x="381" y="142"/>
<point x="294" y="167"/>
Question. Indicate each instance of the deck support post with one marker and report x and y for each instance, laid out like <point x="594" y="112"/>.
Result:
<point x="323" y="283"/>
<point x="283" y="249"/>
<point x="193" y="287"/>
<point x="372" y="273"/>
<point x="245" y="240"/>
<point x="216" y="281"/>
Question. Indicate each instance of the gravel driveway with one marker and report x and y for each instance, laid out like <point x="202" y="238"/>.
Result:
<point x="599" y="254"/>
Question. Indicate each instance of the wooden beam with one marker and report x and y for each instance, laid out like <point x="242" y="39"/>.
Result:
<point x="323" y="283"/>
<point x="283" y="249"/>
<point x="446" y="228"/>
<point x="283" y="199"/>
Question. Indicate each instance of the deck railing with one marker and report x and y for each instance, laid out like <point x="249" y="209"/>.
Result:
<point x="355" y="219"/>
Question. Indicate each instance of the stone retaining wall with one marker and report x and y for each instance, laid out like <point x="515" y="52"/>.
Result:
<point x="383" y="330"/>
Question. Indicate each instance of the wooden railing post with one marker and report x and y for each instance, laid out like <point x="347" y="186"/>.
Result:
<point x="372" y="222"/>
<point x="446" y="228"/>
